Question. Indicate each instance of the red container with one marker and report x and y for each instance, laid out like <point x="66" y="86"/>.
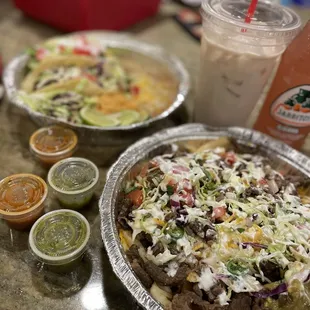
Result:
<point x="74" y="15"/>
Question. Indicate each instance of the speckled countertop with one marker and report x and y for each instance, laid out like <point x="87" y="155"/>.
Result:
<point x="24" y="284"/>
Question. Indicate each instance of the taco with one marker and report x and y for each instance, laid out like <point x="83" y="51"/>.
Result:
<point x="61" y="104"/>
<point x="61" y="71"/>
<point x="124" y="87"/>
<point x="80" y="107"/>
<point x="78" y="45"/>
<point x="52" y="70"/>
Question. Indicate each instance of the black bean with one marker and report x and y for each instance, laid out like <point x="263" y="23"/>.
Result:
<point x="230" y="189"/>
<point x="210" y="234"/>
<point x="271" y="270"/>
<point x="254" y="217"/>
<point x="220" y="197"/>
<point x="62" y="95"/>
<point x="158" y="248"/>
<point x="170" y="216"/>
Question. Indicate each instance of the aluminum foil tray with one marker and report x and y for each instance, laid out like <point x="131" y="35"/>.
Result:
<point x="282" y="157"/>
<point x="117" y="136"/>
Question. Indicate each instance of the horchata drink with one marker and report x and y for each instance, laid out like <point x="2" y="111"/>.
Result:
<point x="237" y="58"/>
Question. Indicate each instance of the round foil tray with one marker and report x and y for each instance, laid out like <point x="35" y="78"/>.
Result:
<point x="281" y="155"/>
<point x="114" y="136"/>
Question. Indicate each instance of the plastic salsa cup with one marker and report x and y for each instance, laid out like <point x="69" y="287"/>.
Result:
<point x="59" y="239"/>
<point x="74" y="181"/>
<point x="53" y="143"/>
<point x="22" y="198"/>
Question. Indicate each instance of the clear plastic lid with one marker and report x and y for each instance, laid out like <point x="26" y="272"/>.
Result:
<point x="269" y="20"/>
<point x="73" y="175"/>
<point x="59" y="237"/>
<point x="21" y="193"/>
<point x="53" y="141"/>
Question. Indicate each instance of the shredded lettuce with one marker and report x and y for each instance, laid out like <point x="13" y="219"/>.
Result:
<point x="206" y="192"/>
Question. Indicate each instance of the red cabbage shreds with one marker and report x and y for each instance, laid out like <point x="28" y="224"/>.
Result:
<point x="175" y="203"/>
<point x="181" y="168"/>
<point x="282" y="288"/>
<point x="222" y="276"/>
<point x="186" y="185"/>
<point x="187" y="198"/>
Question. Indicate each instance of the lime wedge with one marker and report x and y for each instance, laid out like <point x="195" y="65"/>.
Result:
<point x="128" y="117"/>
<point x="143" y="116"/>
<point x="92" y="116"/>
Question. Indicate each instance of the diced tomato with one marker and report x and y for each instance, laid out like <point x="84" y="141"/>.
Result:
<point x="62" y="48"/>
<point x="173" y="184"/>
<point x="154" y="163"/>
<point x="187" y="185"/>
<point x="188" y="199"/>
<point x="81" y="51"/>
<point x="140" y="169"/>
<point x="136" y="196"/>
<point x="135" y="90"/>
<point x="262" y="181"/>
<point x="83" y="39"/>
<point x="218" y="212"/>
<point x="230" y="158"/>
<point x="90" y="77"/>
<point x="144" y="170"/>
<point x="40" y="53"/>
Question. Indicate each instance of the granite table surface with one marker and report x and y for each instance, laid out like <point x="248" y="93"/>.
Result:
<point x="24" y="283"/>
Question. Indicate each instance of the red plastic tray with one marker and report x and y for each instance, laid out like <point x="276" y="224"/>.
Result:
<point x="73" y="15"/>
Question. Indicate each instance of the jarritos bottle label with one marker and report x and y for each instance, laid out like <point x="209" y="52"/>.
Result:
<point x="287" y="117"/>
<point x="285" y="114"/>
<point x="292" y="108"/>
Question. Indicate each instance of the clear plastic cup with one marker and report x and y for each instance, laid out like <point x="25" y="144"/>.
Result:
<point x="22" y="198"/>
<point x="52" y="144"/>
<point x="59" y="239"/>
<point x="238" y="58"/>
<point x="74" y="181"/>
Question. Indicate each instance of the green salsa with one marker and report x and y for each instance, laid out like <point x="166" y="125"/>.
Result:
<point x="73" y="176"/>
<point x="60" y="234"/>
<point x="298" y="298"/>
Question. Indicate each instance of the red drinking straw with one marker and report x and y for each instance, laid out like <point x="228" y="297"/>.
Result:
<point x="250" y="13"/>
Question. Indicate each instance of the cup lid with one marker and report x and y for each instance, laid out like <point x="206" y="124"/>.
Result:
<point x="59" y="237"/>
<point x="73" y="175"/>
<point x="21" y="193"/>
<point x="53" y="141"/>
<point x="268" y="17"/>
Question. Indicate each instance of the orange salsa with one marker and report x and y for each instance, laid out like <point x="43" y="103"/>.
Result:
<point x="22" y="199"/>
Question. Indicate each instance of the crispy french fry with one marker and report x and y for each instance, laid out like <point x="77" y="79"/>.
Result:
<point x="192" y="145"/>
<point x="126" y="239"/>
<point x="304" y="194"/>
<point x="162" y="296"/>
<point x="220" y="142"/>
<point x="193" y="277"/>
<point x="198" y="246"/>
<point x="159" y="222"/>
